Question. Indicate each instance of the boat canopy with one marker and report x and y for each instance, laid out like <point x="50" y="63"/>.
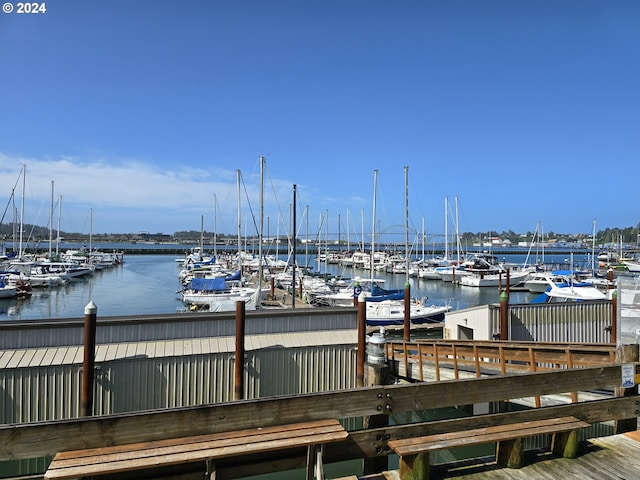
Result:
<point x="207" y="284"/>
<point x="379" y="294"/>
<point x="235" y="276"/>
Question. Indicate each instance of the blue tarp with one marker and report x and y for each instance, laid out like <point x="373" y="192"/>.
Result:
<point x="235" y="276"/>
<point x="378" y="294"/>
<point x="207" y="284"/>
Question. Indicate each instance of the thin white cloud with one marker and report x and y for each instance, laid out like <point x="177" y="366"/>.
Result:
<point x="138" y="188"/>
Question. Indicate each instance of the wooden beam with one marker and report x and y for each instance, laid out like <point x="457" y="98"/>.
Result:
<point x="32" y="440"/>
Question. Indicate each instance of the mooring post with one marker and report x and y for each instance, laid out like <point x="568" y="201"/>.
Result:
<point x="273" y="286"/>
<point x="238" y="386"/>
<point x="508" y="284"/>
<point x="407" y="311"/>
<point x="88" y="364"/>
<point x="504" y="316"/>
<point x="362" y="337"/>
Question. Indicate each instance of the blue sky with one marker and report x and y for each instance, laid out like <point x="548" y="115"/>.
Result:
<point x="141" y="112"/>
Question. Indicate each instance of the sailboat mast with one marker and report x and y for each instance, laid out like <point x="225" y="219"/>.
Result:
<point x="215" y="228"/>
<point x="406" y="221"/>
<point x="51" y="223"/>
<point x="373" y="221"/>
<point x="24" y="176"/>
<point x="457" y="233"/>
<point x="306" y="243"/>
<point x="423" y="239"/>
<point x="446" y="228"/>
<point x="260" y="233"/>
<point x="201" y="234"/>
<point x="326" y="241"/>
<point x="90" y="231"/>
<point x="293" y="229"/>
<point x="59" y="216"/>
<point x="593" y="249"/>
<point x="362" y="222"/>
<point x="239" y="228"/>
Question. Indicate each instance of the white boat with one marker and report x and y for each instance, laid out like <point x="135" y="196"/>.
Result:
<point x="35" y="274"/>
<point x="570" y="293"/>
<point x="493" y="279"/>
<point x="391" y="312"/>
<point x="6" y="290"/>
<point x="204" y="291"/>
<point x="357" y="260"/>
<point x="67" y="269"/>
<point x="539" y="282"/>
<point x="344" y="297"/>
<point x="632" y="265"/>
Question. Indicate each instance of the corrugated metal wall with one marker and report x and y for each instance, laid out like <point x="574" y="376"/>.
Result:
<point x="587" y="322"/>
<point x="139" y="383"/>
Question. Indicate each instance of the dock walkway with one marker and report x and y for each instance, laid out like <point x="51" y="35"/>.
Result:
<point x="607" y="458"/>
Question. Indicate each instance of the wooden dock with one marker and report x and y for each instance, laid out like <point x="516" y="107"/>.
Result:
<point x="608" y="458"/>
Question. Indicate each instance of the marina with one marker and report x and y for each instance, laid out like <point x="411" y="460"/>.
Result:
<point x="147" y="283"/>
<point x="155" y="359"/>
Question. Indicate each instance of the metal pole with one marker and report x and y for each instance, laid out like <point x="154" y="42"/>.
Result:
<point x="293" y="235"/>
<point x="238" y="392"/>
<point x="88" y="364"/>
<point x="361" y="303"/>
<point x="407" y="311"/>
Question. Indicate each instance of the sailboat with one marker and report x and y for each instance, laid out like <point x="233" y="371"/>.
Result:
<point x="221" y="293"/>
<point x="388" y="306"/>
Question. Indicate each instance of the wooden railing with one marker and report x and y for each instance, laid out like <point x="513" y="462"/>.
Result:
<point x="496" y="357"/>
<point x="445" y="360"/>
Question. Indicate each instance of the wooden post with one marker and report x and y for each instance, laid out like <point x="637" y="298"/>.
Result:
<point x="626" y="354"/>
<point x="88" y="364"/>
<point x="273" y="287"/>
<point x="407" y="311"/>
<point x="614" y="316"/>
<point x="415" y="467"/>
<point x="504" y="316"/>
<point x="566" y="444"/>
<point x="362" y="335"/>
<point x="238" y="385"/>
<point x="377" y="374"/>
<point x="510" y="453"/>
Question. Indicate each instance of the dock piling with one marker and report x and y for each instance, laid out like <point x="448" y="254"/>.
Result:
<point x="88" y="364"/>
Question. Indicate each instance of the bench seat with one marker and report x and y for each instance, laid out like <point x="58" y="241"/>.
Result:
<point x="207" y="448"/>
<point x="414" y="452"/>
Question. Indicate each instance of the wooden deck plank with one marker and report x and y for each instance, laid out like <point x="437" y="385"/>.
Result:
<point x="607" y="458"/>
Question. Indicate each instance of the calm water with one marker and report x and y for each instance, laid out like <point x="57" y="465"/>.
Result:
<point x="148" y="284"/>
<point x="144" y="284"/>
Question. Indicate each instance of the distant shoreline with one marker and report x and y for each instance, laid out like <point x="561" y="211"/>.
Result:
<point x="151" y="248"/>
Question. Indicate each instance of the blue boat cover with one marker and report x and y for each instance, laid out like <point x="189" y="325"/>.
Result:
<point x="207" y="284"/>
<point x="378" y="294"/>
<point x="235" y="276"/>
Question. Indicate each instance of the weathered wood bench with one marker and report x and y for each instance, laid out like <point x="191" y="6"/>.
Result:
<point x="201" y="448"/>
<point x="414" y="452"/>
